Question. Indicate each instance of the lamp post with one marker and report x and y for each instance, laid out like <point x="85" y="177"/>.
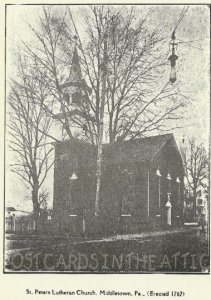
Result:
<point x="159" y="176"/>
<point x="178" y="183"/>
<point x="72" y="178"/>
<point x="168" y="206"/>
<point x="158" y="214"/>
<point x="169" y="183"/>
<point x="168" y="203"/>
<point x="178" y="199"/>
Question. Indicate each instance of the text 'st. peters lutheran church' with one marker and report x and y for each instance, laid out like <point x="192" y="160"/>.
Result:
<point x="141" y="183"/>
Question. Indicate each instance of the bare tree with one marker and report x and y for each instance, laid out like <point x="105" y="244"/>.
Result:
<point x="47" y="58"/>
<point x="139" y="98"/>
<point x="195" y="162"/>
<point x="28" y="128"/>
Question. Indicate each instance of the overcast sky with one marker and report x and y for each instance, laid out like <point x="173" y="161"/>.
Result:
<point x="193" y="64"/>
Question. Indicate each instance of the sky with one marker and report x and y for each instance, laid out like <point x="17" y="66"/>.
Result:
<point x="193" y="66"/>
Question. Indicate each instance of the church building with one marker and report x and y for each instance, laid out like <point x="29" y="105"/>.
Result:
<point x="141" y="186"/>
<point x="141" y="182"/>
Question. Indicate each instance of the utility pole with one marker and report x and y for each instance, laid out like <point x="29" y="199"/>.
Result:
<point x="101" y="126"/>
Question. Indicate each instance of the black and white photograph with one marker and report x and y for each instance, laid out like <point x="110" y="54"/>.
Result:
<point x="107" y="119"/>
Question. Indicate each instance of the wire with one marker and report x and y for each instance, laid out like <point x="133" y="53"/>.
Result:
<point x="193" y="41"/>
<point x="181" y="17"/>
<point x="187" y="43"/>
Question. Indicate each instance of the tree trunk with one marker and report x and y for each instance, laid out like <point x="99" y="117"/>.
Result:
<point x="36" y="208"/>
<point x="100" y="136"/>
<point x="194" y="204"/>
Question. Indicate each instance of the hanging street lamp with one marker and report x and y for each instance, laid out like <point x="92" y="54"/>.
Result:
<point x="172" y="58"/>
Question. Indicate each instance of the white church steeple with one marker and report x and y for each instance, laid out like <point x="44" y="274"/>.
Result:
<point x="74" y="100"/>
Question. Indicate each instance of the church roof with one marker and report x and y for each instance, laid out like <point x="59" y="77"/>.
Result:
<point x="141" y="149"/>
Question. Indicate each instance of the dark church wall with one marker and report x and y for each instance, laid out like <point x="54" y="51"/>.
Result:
<point x="72" y="197"/>
<point x="168" y="161"/>
<point x="124" y="195"/>
<point x="124" y="191"/>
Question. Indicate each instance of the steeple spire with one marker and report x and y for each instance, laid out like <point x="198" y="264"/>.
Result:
<point x="75" y="69"/>
<point x="72" y="86"/>
<point x="75" y="76"/>
<point x="75" y="96"/>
